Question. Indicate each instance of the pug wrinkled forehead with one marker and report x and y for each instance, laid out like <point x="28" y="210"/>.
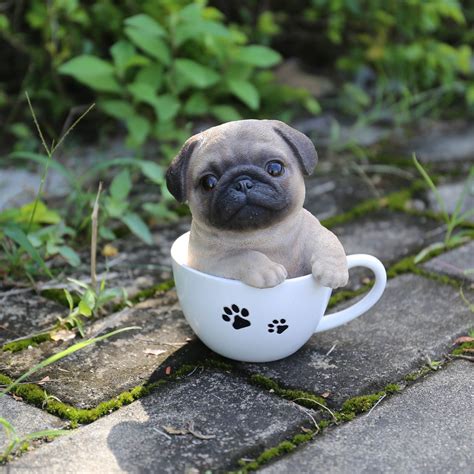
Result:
<point x="242" y="174"/>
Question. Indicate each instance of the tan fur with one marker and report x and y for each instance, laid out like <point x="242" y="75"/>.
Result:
<point x="294" y="246"/>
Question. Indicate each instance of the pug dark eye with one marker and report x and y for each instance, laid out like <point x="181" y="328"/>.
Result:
<point x="208" y="182"/>
<point x="275" y="168"/>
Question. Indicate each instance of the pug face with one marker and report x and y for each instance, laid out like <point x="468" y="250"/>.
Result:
<point x="243" y="175"/>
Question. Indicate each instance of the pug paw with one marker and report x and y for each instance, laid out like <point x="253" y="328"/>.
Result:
<point x="265" y="276"/>
<point x="330" y="275"/>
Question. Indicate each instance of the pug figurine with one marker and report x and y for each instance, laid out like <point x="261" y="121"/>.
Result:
<point x="244" y="184"/>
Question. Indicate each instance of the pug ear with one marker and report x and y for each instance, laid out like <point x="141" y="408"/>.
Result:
<point x="177" y="171"/>
<point x="300" y="144"/>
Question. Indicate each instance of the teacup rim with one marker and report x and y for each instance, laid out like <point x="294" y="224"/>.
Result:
<point x="223" y="279"/>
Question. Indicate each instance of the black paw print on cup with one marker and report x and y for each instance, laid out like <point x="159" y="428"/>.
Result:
<point x="278" y="325"/>
<point x="236" y="315"/>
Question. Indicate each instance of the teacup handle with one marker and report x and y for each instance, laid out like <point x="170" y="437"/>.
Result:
<point x="341" y="317"/>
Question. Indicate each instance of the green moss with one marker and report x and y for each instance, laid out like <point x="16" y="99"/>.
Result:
<point x="354" y="406"/>
<point x="411" y="377"/>
<point x="218" y="364"/>
<point x="298" y="396"/>
<point x="463" y="348"/>
<point x="357" y="211"/>
<point x="407" y="265"/>
<point x="284" y="447"/>
<point x="152" y="291"/>
<point x="392" y="388"/>
<point x="21" y="344"/>
<point x="344" y="295"/>
<point x="361" y="403"/>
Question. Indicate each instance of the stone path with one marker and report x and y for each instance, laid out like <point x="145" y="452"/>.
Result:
<point x="156" y="400"/>
<point x="420" y="430"/>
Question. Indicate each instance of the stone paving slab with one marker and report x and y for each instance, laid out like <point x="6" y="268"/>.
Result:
<point x="240" y="418"/>
<point x="389" y="236"/>
<point x="104" y="370"/>
<point x="415" y="317"/>
<point x="329" y="195"/>
<point x="450" y="194"/>
<point x="443" y="142"/>
<point x="26" y="313"/>
<point x="25" y="419"/>
<point x="457" y="263"/>
<point x="427" y="428"/>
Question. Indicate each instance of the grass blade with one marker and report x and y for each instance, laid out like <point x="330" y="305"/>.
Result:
<point x="433" y="187"/>
<point x="427" y="250"/>
<point x="44" y="434"/>
<point x="18" y="236"/>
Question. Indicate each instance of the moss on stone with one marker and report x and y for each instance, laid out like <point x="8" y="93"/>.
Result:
<point x="17" y="346"/>
<point x="354" y="406"/>
<point x="152" y="291"/>
<point x="218" y="363"/>
<point x="360" y="404"/>
<point x="392" y="388"/>
<point x="357" y="211"/>
<point x="411" y="377"/>
<point x="301" y="397"/>
<point x="344" y="295"/>
<point x="146" y="293"/>
<point x="407" y="265"/>
<point x="463" y="348"/>
<point x="284" y="447"/>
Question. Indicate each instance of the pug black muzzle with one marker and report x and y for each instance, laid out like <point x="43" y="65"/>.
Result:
<point x="246" y="197"/>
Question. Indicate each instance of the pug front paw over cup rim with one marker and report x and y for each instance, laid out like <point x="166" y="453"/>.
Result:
<point x="262" y="325"/>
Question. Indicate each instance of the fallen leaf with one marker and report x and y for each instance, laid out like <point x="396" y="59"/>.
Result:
<point x="462" y="339"/>
<point x="43" y="380"/>
<point x="175" y="431"/>
<point x="154" y="352"/>
<point x="168" y="370"/>
<point x="62" y="335"/>
<point x="326" y="394"/>
<point x="198" y="434"/>
<point x="109" y="251"/>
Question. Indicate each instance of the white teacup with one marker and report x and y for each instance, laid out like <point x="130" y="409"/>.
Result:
<point x="261" y="325"/>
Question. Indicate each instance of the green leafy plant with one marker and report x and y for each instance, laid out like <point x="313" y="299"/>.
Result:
<point x="91" y="300"/>
<point x="453" y="220"/>
<point x="117" y="205"/>
<point x="409" y="46"/>
<point x="166" y="73"/>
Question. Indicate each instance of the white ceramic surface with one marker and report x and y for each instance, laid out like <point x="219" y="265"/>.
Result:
<point x="261" y="325"/>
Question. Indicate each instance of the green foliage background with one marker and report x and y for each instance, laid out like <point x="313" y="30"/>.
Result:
<point x="160" y="66"/>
